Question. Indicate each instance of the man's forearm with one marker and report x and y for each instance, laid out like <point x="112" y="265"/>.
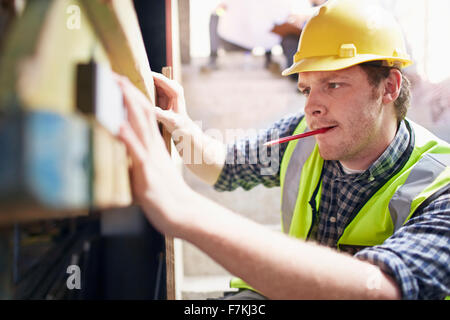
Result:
<point x="278" y="266"/>
<point x="202" y="154"/>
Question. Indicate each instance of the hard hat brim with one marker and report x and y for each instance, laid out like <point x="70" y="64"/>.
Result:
<point x="333" y="63"/>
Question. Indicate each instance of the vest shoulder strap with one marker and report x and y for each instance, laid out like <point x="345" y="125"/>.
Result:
<point x="302" y="149"/>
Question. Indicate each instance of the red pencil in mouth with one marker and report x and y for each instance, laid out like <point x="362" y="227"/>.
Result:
<point x="298" y="136"/>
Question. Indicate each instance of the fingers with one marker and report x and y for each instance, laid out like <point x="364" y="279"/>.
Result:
<point x="136" y="115"/>
<point x="167" y="90"/>
<point x="134" y="147"/>
<point x="166" y="94"/>
<point x="168" y="118"/>
<point x="141" y="133"/>
<point x="168" y="86"/>
<point x="163" y="115"/>
<point x="136" y="93"/>
<point x="170" y="94"/>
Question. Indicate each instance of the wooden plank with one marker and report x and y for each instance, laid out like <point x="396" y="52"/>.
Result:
<point x="25" y="213"/>
<point x="168" y="72"/>
<point x="117" y="26"/>
<point x="170" y="255"/>
<point x="173" y="38"/>
<point x="56" y="166"/>
<point x="100" y="98"/>
<point x="169" y="33"/>
<point x="37" y="66"/>
<point x="184" y="31"/>
<point x="173" y="71"/>
<point x="38" y="71"/>
<point x="45" y="171"/>
<point x="170" y="269"/>
<point x="110" y="182"/>
<point x="51" y="155"/>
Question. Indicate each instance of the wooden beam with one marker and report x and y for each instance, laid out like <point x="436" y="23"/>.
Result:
<point x="56" y="166"/>
<point x="100" y="98"/>
<point x="110" y="182"/>
<point x="184" y="31"/>
<point x="38" y="72"/>
<point x="170" y="254"/>
<point x="37" y="65"/>
<point x="45" y="168"/>
<point x="117" y="27"/>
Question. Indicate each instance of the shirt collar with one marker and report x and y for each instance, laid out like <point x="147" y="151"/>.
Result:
<point x="387" y="162"/>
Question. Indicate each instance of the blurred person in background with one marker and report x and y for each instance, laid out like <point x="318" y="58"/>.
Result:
<point x="291" y="29"/>
<point x="242" y="25"/>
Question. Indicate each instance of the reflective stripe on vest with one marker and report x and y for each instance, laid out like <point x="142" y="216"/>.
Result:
<point x="290" y="188"/>
<point x="424" y="173"/>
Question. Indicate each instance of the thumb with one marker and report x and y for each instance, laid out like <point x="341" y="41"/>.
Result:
<point x="168" y="118"/>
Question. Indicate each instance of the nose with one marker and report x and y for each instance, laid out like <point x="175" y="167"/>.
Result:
<point x="314" y="106"/>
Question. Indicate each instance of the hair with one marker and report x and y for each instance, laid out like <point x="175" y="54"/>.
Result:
<point x="376" y="72"/>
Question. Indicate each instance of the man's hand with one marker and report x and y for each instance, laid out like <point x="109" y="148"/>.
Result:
<point x="172" y="106"/>
<point x="157" y="185"/>
<point x="171" y="112"/>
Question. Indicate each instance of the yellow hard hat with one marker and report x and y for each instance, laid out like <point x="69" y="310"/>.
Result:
<point x="344" y="33"/>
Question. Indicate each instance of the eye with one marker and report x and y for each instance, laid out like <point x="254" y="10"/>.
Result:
<point x="305" y="91"/>
<point x="334" y="85"/>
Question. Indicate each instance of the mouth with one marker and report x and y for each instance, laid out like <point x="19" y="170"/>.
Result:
<point x="327" y="129"/>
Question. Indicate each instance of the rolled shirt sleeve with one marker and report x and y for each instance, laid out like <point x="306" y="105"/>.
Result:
<point x="417" y="256"/>
<point x="249" y="163"/>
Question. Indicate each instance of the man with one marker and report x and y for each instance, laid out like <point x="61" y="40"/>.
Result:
<point x="371" y="193"/>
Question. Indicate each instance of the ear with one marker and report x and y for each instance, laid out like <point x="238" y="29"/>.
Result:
<point x="392" y="86"/>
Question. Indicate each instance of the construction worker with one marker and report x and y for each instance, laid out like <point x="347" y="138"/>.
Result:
<point x="365" y="205"/>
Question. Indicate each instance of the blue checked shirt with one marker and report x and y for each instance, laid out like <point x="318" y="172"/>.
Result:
<point x="417" y="255"/>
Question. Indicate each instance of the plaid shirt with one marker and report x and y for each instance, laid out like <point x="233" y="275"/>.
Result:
<point x="417" y="256"/>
